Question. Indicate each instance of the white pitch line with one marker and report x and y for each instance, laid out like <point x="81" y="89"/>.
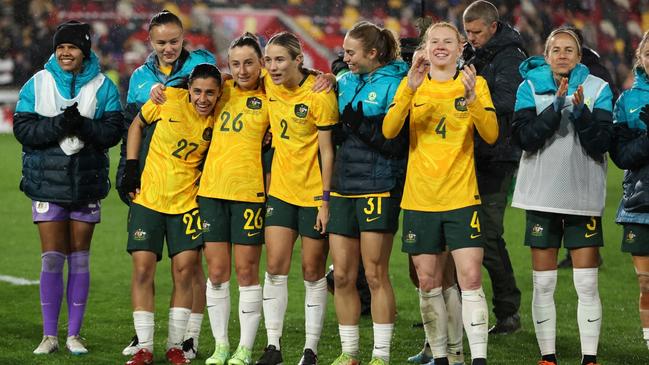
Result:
<point x="18" y="281"/>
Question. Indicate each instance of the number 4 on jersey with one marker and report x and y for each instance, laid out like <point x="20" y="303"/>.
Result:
<point x="441" y="127"/>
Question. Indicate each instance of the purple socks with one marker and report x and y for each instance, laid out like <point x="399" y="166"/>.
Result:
<point x="78" y="286"/>
<point x="51" y="290"/>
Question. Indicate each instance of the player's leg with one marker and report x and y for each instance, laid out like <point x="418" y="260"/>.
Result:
<point x="247" y="233"/>
<point x="635" y="240"/>
<point x="53" y="229"/>
<point x="280" y="234"/>
<point x="583" y="236"/>
<point x="193" y="331"/>
<point x="453" y="301"/>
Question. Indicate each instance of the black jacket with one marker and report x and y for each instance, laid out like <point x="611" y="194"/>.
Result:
<point x="498" y="63"/>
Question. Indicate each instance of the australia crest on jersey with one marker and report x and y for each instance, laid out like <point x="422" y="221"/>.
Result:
<point x="254" y="103"/>
<point x="460" y="104"/>
<point x="301" y="110"/>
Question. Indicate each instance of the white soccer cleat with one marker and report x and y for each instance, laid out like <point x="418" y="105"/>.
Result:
<point x="131" y="349"/>
<point x="48" y="345"/>
<point x="75" y="346"/>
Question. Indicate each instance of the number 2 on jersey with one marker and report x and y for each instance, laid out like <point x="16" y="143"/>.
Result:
<point x="182" y="144"/>
<point x="189" y="219"/>
<point x="284" y="125"/>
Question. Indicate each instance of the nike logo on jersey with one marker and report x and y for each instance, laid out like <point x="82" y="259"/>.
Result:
<point x="593" y="320"/>
<point x="474" y="236"/>
<point x="634" y="110"/>
<point x="173" y="121"/>
<point x="271" y="99"/>
<point x="543" y="321"/>
<point x="141" y="85"/>
<point x="369" y="220"/>
<point x="250" y="234"/>
<point x="477" y="324"/>
<point x="589" y="235"/>
<point x="418" y="105"/>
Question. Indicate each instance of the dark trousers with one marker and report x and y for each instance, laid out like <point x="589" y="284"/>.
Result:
<point x="493" y="183"/>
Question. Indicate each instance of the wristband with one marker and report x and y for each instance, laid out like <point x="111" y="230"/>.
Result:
<point x="326" y="194"/>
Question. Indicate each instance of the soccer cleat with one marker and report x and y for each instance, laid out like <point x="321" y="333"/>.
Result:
<point x="378" y="361"/>
<point x="190" y="348"/>
<point x="506" y="326"/>
<point x="544" y="362"/>
<point x="220" y="355"/>
<point x="48" y="345"/>
<point x="75" y="346"/>
<point x="420" y="358"/>
<point x="271" y="356"/>
<point x="345" y="359"/>
<point x="308" y="358"/>
<point x="131" y="349"/>
<point x="176" y="356"/>
<point x="141" y="357"/>
<point x="242" y="356"/>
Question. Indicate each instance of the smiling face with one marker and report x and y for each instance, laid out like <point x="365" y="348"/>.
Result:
<point x="167" y="42"/>
<point x="359" y="61"/>
<point x="282" y="68"/>
<point x="203" y="94"/>
<point x="245" y="66"/>
<point x="69" y="57"/>
<point x="562" y="53"/>
<point x="443" y="47"/>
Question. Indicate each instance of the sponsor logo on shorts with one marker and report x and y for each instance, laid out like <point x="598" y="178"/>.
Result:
<point x="269" y="211"/>
<point x="253" y="234"/>
<point x="474" y="236"/>
<point x="589" y="235"/>
<point x="370" y="220"/>
<point x="139" y="235"/>
<point x="537" y="230"/>
<point x="301" y="110"/>
<point x="206" y="226"/>
<point x="42" y="207"/>
<point x="630" y="237"/>
<point x="196" y="235"/>
<point x="253" y="103"/>
<point x="410" y="238"/>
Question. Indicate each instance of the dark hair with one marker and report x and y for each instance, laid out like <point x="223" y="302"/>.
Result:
<point x="247" y="39"/>
<point x="372" y="36"/>
<point x="165" y="17"/>
<point x="205" y="71"/>
<point x="481" y="9"/>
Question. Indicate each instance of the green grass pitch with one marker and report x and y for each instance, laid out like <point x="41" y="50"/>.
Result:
<point x="108" y="322"/>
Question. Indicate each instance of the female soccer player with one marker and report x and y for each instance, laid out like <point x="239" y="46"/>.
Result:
<point x="563" y="119"/>
<point x="164" y="204"/>
<point x="367" y="186"/>
<point x="630" y="151"/>
<point x="67" y="116"/>
<point x="168" y="65"/>
<point x="231" y="199"/>
<point x="441" y="200"/>
<point x="298" y="201"/>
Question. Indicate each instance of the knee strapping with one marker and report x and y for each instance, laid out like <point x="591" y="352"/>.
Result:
<point x="52" y="262"/>
<point x="585" y="281"/>
<point x="78" y="262"/>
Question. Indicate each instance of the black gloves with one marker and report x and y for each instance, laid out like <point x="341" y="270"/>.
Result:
<point x="352" y="118"/>
<point x="644" y="114"/>
<point x="72" y="119"/>
<point x="131" y="179"/>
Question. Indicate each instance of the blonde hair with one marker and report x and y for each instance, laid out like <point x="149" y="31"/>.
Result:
<point x="638" y="51"/>
<point x="562" y="31"/>
<point x="440" y="25"/>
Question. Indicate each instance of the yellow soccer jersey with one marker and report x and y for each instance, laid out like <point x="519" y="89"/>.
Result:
<point x="295" y="117"/>
<point x="233" y="168"/>
<point x="178" y="146"/>
<point x="441" y="173"/>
